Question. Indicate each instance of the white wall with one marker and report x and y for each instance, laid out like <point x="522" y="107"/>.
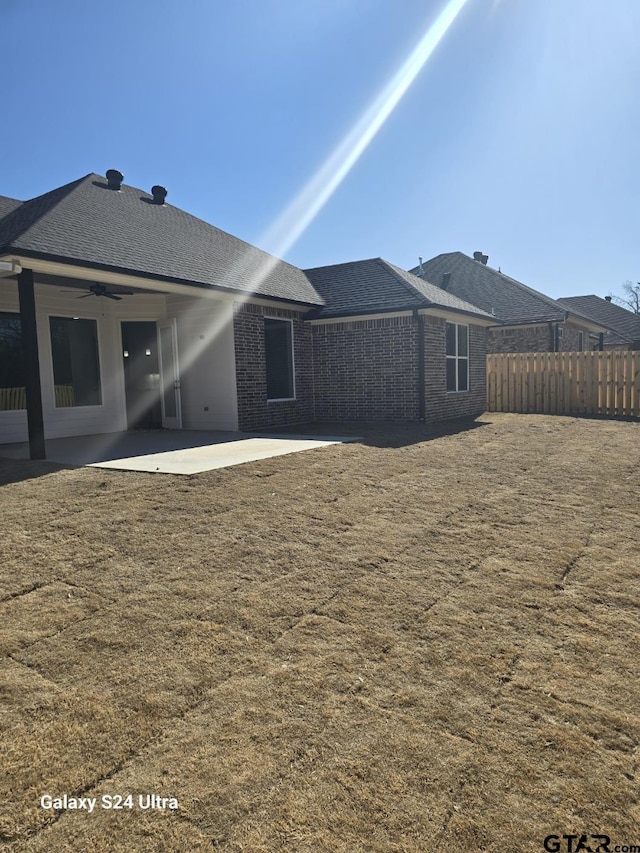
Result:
<point x="205" y="354"/>
<point x="206" y="357"/>
<point x="79" y="420"/>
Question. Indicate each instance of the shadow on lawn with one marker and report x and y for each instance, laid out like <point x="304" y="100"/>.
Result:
<point x="392" y="433"/>
<point x="17" y="470"/>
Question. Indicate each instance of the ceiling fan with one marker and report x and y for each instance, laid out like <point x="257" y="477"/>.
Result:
<point x="97" y="289"/>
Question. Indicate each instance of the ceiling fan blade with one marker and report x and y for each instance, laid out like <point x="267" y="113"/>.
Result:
<point x="85" y="295"/>
<point x="112" y="296"/>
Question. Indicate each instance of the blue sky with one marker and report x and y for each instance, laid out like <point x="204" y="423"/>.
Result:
<point x="518" y="137"/>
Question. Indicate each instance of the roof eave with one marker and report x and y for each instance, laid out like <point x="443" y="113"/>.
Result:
<point x="485" y="319"/>
<point x="319" y="314"/>
<point x="198" y="285"/>
<point x="423" y="307"/>
<point x="592" y="325"/>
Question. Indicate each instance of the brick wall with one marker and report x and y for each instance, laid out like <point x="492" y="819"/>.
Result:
<point x="439" y="403"/>
<point x="633" y="346"/>
<point x="366" y="370"/>
<point x="354" y="370"/>
<point x="254" y="412"/>
<point x="570" y="340"/>
<point x="536" y="338"/>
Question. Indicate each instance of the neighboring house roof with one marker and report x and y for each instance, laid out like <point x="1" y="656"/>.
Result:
<point x="624" y="325"/>
<point x="376" y="286"/>
<point x="508" y="300"/>
<point x="7" y="205"/>
<point x="88" y="224"/>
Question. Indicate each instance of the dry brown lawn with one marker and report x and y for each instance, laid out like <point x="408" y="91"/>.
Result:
<point x="418" y="642"/>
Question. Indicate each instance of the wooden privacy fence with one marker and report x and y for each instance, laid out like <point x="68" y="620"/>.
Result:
<point x="562" y="383"/>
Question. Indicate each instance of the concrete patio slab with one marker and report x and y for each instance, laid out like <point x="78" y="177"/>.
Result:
<point x="171" y="451"/>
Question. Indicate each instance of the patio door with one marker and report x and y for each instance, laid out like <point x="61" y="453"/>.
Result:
<point x="141" y="374"/>
<point x="169" y="375"/>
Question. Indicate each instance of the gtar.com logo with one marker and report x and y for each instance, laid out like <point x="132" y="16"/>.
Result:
<point x="588" y="843"/>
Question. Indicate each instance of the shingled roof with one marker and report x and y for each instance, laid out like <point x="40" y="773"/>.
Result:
<point x="375" y="286"/>
<point x="86" y="223"/>
<point x="624" y="325"/>
<point x="7" y="205"/>
<point x="511" y="301"/>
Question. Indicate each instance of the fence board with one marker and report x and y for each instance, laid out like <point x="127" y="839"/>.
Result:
<point x="599" y="383"/>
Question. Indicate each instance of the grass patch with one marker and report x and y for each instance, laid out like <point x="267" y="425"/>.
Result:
<point x="426" y="640"/>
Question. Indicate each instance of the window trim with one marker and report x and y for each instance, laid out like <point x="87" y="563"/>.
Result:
<point x="293" y="359"/>
<point x="52" y="395"/>
<point x="457" y="358"/>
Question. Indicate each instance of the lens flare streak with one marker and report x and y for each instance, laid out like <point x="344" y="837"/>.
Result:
<point x="317" y="192"/>
<point x="297" y="217"/>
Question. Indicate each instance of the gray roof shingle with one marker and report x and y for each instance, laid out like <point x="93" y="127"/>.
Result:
<point x="624" y="325"/>
<point x="7" y="205"/>
<point x="493" y="291"/>
<point x="86" y="223"/>
<point x="375" y="285"/>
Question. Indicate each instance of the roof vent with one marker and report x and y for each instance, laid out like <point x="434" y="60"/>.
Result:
<point x="114" y="179"/>
<point x="159" y="194"/>
<point x="444" y="284"/>
<point x="608" y="298"/>
<point x="482" y="259"/>
<point x="420" y="272"/>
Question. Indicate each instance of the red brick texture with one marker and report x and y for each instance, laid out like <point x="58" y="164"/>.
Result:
<point x="254" y="411"/>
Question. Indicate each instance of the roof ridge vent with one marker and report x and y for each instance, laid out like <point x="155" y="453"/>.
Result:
<point x="159" y="194"/>
<point x="114" y="179"/>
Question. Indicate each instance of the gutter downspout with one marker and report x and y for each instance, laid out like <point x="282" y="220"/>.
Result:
<point x="552" y="338"/>
<point x="421" y="373"/>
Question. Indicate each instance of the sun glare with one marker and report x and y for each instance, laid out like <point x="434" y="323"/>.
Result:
<point x="305" y="207"/>
<point x="301" y="212"/>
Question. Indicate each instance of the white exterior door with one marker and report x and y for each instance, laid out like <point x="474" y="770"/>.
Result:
<point x="169" y="375"/>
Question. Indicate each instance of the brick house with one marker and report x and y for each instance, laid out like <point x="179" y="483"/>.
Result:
<point x="527" y="320"/>
<point x="118" y="310"/>
<point x="388" y="345"/>
<point x="624" y="325"/>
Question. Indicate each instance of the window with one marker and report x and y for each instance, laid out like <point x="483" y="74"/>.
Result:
<point x="12" y="378"/>
<point x="76" y="367"/>
<point x="278" y="349"/>
<point x="457" y="346"/>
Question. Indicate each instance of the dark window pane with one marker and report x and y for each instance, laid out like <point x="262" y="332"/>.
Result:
<point x="279" y="359"/>
<point x="450" y="332"/>
<point x="463" y="343"/>
<point x="168" y="372"/>
<point x="12" y="379"/>
<point x="463" y="374"/>
<point x="76" y="368"/>
<point x="451" y="374"/>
